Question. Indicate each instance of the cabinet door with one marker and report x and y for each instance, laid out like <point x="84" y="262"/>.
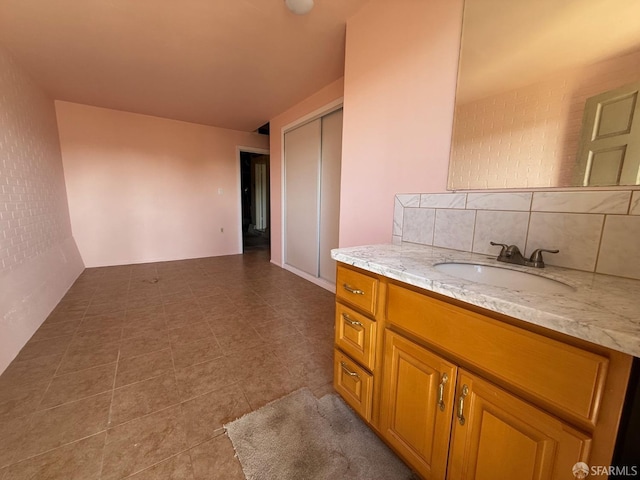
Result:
<point x="497" y="436"/>
<point x="417" y="404"/>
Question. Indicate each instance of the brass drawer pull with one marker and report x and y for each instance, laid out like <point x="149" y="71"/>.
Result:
<point x="349" y="372"/>
<point x="353" y="323"/>
<point x="445" y="379"/>
<point x="350" y="289"/>
<point x="460" y="414"/>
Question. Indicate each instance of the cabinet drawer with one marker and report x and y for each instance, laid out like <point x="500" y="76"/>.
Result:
<point x="357" y="288"/>
<point x="353" y="383"/>
<point x="356" y="335"/>
<point x="568" y="379"/>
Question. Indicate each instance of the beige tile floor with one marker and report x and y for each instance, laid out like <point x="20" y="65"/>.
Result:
<point x="137" y="369"/>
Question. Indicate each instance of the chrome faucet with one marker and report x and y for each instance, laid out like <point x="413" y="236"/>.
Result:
<point x="512" y="254"/>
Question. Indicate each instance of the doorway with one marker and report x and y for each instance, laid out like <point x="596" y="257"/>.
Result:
<point x="254" y="192"/>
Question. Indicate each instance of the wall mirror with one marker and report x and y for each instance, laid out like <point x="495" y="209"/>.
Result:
<point x="526" y="72"/>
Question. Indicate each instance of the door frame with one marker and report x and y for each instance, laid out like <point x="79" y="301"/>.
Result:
<point x="239" y="149"/>
<point x="330" y="107"/>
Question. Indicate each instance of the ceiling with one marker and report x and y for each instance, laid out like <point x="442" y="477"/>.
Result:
<point x="509" y="44"/>
<point x="226" y="63"/>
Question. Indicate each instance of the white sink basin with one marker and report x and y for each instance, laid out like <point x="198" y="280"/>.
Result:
<point x="504" y="277"/>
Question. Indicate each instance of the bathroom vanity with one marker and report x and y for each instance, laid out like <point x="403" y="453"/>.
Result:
<point x="472" y="380"/>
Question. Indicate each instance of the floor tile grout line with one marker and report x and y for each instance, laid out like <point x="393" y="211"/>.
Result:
<point x="208" y="392"/>
<point x="133" y="419"/>
<point x="71" y="401"/>
<point x="191" y="460"/>
<point x="44" y="452"/>
<point x="73" y="372"/>
<point x="186" y="450"/>
<point x="85" y="369"/>
<point x="143" y="416"/>
<point x="153" y="377"/>
<point x="113" y="390"/>
<point x="146" y="353"/>
<point x="55" y="373"/>
<point x="175" y="377"/>
<point x="104" y="447"/>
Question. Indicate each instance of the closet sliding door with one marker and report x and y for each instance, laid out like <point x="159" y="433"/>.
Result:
<point x="330" y="193"/>
<point x="302" y="196"/>
<point x="312" y="195"/>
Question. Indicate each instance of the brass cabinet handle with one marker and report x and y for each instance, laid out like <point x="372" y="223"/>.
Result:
<point x="460" y="414"/>
<point x="349" y="372"/>
<point x="347" y="319"/>
<point x="443" y="381"/>
<point x="350" y="289"/>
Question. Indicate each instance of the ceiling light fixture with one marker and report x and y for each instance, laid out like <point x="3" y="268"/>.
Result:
<point x="299" y="7"/>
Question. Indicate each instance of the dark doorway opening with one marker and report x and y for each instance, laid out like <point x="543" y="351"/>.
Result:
<point x="256" y="210"/>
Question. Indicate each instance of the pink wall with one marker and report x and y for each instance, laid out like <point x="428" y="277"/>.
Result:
<point x="323" y="97"/>
<point x="38" y="257"/>
<point x="399" y="88"/>
<point x="144" y="189"/>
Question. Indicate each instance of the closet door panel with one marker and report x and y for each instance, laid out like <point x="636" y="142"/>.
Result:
<point x="330" y="192"/>
<point x="302" y="178"/>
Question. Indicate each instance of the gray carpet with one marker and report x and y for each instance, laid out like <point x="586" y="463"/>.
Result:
<point x="299" y="437"/>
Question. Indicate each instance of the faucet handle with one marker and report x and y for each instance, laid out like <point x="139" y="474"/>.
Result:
<point x="504" y="252"/>
<point x="503" y="245"/>
<point x="536" y="257"/>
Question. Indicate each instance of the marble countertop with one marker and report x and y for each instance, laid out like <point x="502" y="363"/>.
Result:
<point x="604" y="309"/>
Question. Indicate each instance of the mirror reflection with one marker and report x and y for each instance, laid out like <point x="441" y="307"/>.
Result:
<point x="527" y="70"/>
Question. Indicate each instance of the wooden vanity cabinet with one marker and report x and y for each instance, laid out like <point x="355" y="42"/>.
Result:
<point x="533" y="401"/>
<point x="462" y="393"/>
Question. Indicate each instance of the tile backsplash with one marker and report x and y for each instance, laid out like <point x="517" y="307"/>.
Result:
<point x="596" y="231"/>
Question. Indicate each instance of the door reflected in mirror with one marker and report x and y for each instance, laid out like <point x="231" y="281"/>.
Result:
<point x="609" y="151"/>
<point x="527" y="70"/>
